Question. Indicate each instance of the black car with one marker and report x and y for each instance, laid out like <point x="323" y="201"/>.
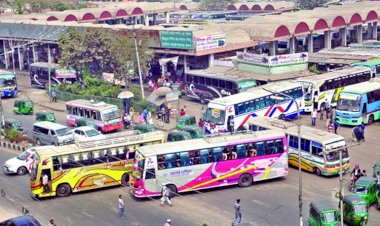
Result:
<point x="25" y="220"/>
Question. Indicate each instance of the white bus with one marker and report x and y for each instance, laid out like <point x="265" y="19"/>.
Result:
<point x="319" y="149"/>
<point x="325" y="88"/>
<point x="254" y="102"/>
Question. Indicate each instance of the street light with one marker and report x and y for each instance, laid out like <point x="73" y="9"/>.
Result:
<point x="138" y="62"/>
<point x="277" y="97"/>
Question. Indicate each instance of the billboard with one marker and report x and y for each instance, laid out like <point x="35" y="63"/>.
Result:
<point x="273" y="60"/>
<point x="210" y="42"/>
<point x="176" y="39"/>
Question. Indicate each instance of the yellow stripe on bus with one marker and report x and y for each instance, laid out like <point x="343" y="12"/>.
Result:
<point x="267" y="171"/>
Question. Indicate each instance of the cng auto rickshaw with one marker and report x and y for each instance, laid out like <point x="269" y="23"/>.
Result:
<point x="178" y="135"/>
<point x="11" y="124"/>
<point x="355" y="210"/>
<point x="195" y="131"/>
<point x="45" y="116"/>
<point x="84" y="122"/>
<point x="144" y="128"/>
<point x="365" y="188"/>
<point x="23" y="106"/>
<point x="187" y="120"/>
<point x="323" y="213"/>
<point x="376" y="168"/>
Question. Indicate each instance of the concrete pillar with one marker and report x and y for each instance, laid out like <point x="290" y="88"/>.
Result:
<point x="142" y="19"/>
<point x="34" y="55"/>
<point x="310" y="47"/>
<point x="273" y="48"/>
<point x="167" y="17"/>
<point x="20" y="58"/>
<point x="369" y="31"/>
<point x="211" y="60"/>
<point x="374" y="30"/>
<point x="154" y="19"/>
<point x="185" y="64"/>
<point x="359" y="33"/>
<point x="146" y="20"/>
<point x="135" y="20"/>
<point x="6" y="58"/>
<point x="343" y="36"/>
<point x="327" y="35"/>
<point x="292" y="45"/>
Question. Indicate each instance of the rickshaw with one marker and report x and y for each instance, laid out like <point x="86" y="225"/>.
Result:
<point x="178" y="135"/>
<point x="187" y="120"/>
<point x="144" y="128"/>
<point x="365" y="188"/>
<point x="11" y="124"/>
<point x="195" y="131"/>
<point x="84" y="122"/>
<point x="45" y="116"/>
<point x="376" y="168"/>
<point x="355" y="210"/>
<point x="323" y="213"/>
<point x="23" y="106"/>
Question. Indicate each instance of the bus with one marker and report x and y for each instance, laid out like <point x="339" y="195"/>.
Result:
<point x="359" y="103"/>
<point x="39" y="74"/>
<point x="214" y="161"/>
<point x="319" y="149"/>
<point x="8" y="84"/>
<point x="106" y="117"/>
<point x="374" y="66"/>
<point x="254" y="102"/>
<point x="88" y="165"/>
<point x="325" y="88"/>
<point x="206" y="85"/>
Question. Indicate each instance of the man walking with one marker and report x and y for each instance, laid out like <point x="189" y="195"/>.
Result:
<point x="237" y="217"/>
<point x="53" y="96"/>
<point x="362" y="128"/>
<point x="165" y="195"/>
<point x="168" y="222"/>
<point x="121" y="207"/>
<point x="313" y="117"/>
<point x="336" y="126"/>
<point x="52" y="222"/>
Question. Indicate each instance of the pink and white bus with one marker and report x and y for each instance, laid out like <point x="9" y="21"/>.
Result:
<point x="106" y="117"/>
<point x="214" y="161"/>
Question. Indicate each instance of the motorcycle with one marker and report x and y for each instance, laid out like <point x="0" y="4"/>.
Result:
<point x="353" y="179"/>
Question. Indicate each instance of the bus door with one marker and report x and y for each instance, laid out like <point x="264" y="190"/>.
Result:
<point x="319" y="161"/>
<point x="305" y="153"/>
<point x="150" y="180"/>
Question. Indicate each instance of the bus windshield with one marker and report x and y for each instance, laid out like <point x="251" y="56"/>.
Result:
<point x="215" y="115"/>
<point x="110" y="114"/>
<point x="7" y="81"/>
<point x="329" y="217"/>
<point x="360" y="208"/>
<point x="351" y="103"/>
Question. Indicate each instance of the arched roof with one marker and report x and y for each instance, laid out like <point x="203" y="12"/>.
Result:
<point x="356" y="19"/>
<point x="372" y="16"/>
<point x="243" y="7"/>
<point x="269" y="7"/>
<point x="338" y="22"/>
<point x="88" y="17"/>
<point x="321" y="25"/>
<point x="282" y="31"/>
<point x="121" y="13"/>
<point x="105" y="15"/>
<point x="231" y="7"/>
<point x="51" y="18"/>
<point x="137" y="11"/>
<point x="70" y="17"/>
<point x="301" y="28"/>
<point x="183" y="7"/>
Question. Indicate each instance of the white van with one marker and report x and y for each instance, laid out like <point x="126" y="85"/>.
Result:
<point x="52" y="133"/>
<point x="22" y="163"/>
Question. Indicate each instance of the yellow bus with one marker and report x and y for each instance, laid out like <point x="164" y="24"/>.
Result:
<point x="59" y="171"/>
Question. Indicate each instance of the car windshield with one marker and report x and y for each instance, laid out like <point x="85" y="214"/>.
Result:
<point x="92" y="133"/>
<point x="50" y="117"/>
<point x="329" y="217"/>
<point x="215" y="115"/>
<point x="360" y="208"/>
<point x="110" y="114"/>
<point x="28" y="103"/>
<point x="9" y="81"/>
<point x="349" y="104"/>
<point x="361" y="190"/>
<point x="23" y="155"/>
<point x="63" y="131"/>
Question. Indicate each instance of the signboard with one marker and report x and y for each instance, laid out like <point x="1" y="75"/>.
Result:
<point x="110" y="77"/>
<point x="210" y="42"/>
<point x="273" y="60"/>
<point x="176" y="39"/>
<point x="65" y="73"/>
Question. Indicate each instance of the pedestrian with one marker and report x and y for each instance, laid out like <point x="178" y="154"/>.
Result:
<point x="231" y="124"/>
<point x="121" y="207"/>
<point x="53" y="96"/>
<point x="201" y="123"/>
<point x="168" y="222"/>
<point x="362" y="128"/>
<point x="141" y="118"/>
<point x="182" y="113"/>
<point x="145" y="115"/>
<point x="321" y="115"/>
<point x="336" y="126"/>
<point x="327" y="106"/>
<point x="150" y="118"/>
<point x="330" y="127"/>
<point x="52" y="222"/>
<point x="165" y="191"/>
<point x="237" y="216"/>
<point x="313" y="117"/>
<point x="45" y="183"/>
<point x="150" y="84"/>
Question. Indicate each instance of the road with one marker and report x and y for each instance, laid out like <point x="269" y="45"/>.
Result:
<point x="263" y="204"/>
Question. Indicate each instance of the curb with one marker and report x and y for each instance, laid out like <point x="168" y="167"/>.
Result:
<point x="12" y="146"/>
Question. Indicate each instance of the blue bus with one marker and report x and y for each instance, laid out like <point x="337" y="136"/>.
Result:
<point x="8" y="84"/>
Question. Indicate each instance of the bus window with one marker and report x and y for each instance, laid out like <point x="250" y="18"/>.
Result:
<point x="69" y="109"/>
<point x="279" y="146"/>
<point x="208" y="81"/>
<point x="204" y="154"/>
<point x="293" y="141"/>
<point x="170" y="160"/>
<point x="241" y="151"/>
<point x="240" y="109"/>
<point x="214" y="82"/>
<point x="270" y="147"/>
<point x="222" y="84"/>
<point x="195" y="80"/>
<point x="150" y="174"/>
<point x="268" y="101"/>
<point x="184" y="159"/>
<point x="201" y="80"/>
<point x="228" y="85"/>
<point x="189" y="78"/>
<point x="260" y="148"/>
<point x="217" y="154"/>
<point x="316" y="150"/>
<point x="261" y="103"/>
<point x="305" y="145"/>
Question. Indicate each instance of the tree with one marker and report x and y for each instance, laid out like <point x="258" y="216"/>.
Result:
<point x="213" y="5"/>
<point x="310" y="4"/>
<point x="61" y="6"/>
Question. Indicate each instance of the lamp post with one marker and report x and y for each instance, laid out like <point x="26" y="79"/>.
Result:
<point x="277" y="97"/>
<point x="138" y="62"/>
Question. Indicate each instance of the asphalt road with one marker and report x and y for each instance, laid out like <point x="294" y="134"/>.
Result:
<point x="267" y="203"/>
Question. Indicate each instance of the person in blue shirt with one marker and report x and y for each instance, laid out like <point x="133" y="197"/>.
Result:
<point x="145" y="115"/>
<point x="336" y="126"/>
<point x="362" y="127"/>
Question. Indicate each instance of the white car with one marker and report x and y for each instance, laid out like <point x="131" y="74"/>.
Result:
<point x="21" y="164"/>
<point x="87" y="133"/>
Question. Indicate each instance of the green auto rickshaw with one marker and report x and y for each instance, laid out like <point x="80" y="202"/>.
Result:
<point x="195" y="131"/>
<point x="144" y="128"/>
<point x="376" y="169"/>
<point x="323" y="213"/>
<point x="23" y="106"/>
<point x="365" y="188"/>
<point x="187" y="120"/>
<point x="11" y="124"/>
<point x="84" y="122"/>
<point x="45" y="116"/>
<point x="355" y="210"/>
<point x="178" y="135"/>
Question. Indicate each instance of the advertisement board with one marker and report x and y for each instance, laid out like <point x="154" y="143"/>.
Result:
<point x="210" y="42"/>
<point x="273" y="60"/>
<point x="65" y="73"/>
<point x="176" y="39"/>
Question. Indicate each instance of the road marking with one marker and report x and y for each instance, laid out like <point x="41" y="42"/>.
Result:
<point x="87" y="214"/>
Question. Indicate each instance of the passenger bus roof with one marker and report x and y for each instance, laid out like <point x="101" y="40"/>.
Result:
<point x="369" y="63"/>
<point x="207" y="142"/>
<point x="317" y="135"/>
<point x="364" y="87"/>
<point x="90" y="105"/>
<point x="212" y="73"/>
<point x="322" y="205"/>
<point x="45" y="65"/>
<point x="256" y="92"/>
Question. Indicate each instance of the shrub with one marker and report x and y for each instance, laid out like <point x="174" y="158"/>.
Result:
<point x="14" y="135"/>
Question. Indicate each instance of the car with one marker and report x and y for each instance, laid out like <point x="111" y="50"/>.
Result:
<point x="87" y="132"/>
<point x="22" y="163"/>
<point x="25" y="220"/>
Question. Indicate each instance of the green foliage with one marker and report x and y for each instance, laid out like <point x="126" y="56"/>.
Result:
<point x="310" y="4"/>
<point x="20" y="7"/>
<point x="314" y="69"/>
<point x="61" y="6"/>
<point x="213" y="5"/>
<point x="136" y="90"/>
<point x="13" y="135"/>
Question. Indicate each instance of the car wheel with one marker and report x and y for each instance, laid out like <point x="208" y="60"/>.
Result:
<point x="245" y="180"/>
<point x="63" y="190"/>
<point x="22" y="170"/>
<point x="38" y="141"/>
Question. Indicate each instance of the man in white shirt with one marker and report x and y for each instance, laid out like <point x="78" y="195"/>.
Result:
<point x="121" y="207"/>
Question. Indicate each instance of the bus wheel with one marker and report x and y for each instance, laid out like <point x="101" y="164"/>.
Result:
<point x="21" y="170"/>
<point x="125" y="179"/>
<point x="245" y="180"/>
<point x="202" y="100"/>
<point x="63" y="190"/>
<point x="173" y="190"/>
<point x="318" y="171"/>
<point x="371" y="120"/>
